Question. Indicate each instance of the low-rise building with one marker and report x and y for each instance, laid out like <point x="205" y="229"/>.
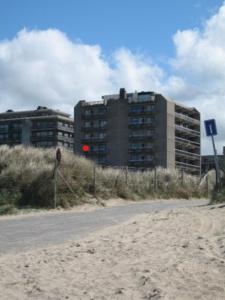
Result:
<point x="42" y="127"/>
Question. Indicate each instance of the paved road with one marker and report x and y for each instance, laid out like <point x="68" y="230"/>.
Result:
<point x="20" y="234"/>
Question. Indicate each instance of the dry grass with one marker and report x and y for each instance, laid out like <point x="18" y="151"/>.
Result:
<point x="26" y="179"/>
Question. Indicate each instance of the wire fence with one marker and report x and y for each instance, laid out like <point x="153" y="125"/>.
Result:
<point x="69" y="181"/>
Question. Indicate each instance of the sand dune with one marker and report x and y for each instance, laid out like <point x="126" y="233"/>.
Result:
<point x="176" y="254"/>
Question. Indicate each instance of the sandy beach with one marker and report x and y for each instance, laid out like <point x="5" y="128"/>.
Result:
<point x="176" y="254"/>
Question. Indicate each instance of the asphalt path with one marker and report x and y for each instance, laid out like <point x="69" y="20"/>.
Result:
<point x="31" y="232"/>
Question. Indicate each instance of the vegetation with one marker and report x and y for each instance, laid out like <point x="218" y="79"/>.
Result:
<point x="218" y="194"/>
<point x="26" y="180"/>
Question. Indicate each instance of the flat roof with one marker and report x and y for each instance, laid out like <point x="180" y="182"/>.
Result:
<point x="40" y="111"/>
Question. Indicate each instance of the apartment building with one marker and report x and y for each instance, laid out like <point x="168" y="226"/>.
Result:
<point x="140" y="130"/>
<point x="42" y="127"/>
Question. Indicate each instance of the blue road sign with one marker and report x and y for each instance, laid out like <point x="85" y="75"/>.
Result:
<point x="210" y="127"/>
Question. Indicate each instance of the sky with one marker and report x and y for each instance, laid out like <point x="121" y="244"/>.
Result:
<point x="55" y="52"/>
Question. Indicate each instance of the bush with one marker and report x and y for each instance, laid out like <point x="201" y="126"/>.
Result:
<point x="26" y="179"/>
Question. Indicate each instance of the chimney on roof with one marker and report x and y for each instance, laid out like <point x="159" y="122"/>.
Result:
<point x="123" y="93"/>
<point x="41" y="107"/>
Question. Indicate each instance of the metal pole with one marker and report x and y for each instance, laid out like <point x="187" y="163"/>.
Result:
<point x="216" y="163"/>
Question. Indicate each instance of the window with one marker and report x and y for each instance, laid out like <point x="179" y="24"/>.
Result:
<point x="4" y="137"/>
<point x="44" y="124"/>
<point x="87" y="112"/>
<point x="87" y="124"/>
<point x="137" y="109"/>
<point x="44" y="133"/>
<point x="16" y="136"/>
<point x="134" y="121"/>
<point x="150" y="108"/>
<point x="102" y="147"/>
<point x="4" y="127"/>
<point x="102" y="110"/>
<point x="44" y="144"/>
<point x="16" y="125"/>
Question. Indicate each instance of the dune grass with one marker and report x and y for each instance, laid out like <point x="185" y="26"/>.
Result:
<point x="26" y="180"/>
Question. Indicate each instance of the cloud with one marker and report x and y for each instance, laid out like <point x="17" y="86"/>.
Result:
<point x="200" y="62"/>
<point x="47" y="68"/>
<point x="135" y="71"/>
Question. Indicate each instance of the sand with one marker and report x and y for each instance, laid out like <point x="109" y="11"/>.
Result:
<point x="176" y="254"/>
<point x="92" y="204"/>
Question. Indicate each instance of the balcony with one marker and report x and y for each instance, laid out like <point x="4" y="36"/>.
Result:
<point x="188" y="167"/>
<point x="94" y="139"/>
<point x="187" y="154"/>
<point x="187" y="141"/>
<point x="141" y="149"/>
<point x="187" y="118"/>
<point x="97" y="152"/>
<point x="141" y="125"/>
<point x="97" y="115"/>
<point x="187" y="130"/>
<point x="94" y="128"/>
<point x="140" y="112"/>
<point x="64" y="128"/>
<point x="145" y="163"/>
<point x="64" y="138"/>
<point x="43" y="138"/>
<point x="146" y="137"/>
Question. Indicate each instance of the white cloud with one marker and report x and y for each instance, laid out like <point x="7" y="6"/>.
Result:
<point x="47" y="68"/>
<point x="200" y="62"/>
<point x="136" y="72"/>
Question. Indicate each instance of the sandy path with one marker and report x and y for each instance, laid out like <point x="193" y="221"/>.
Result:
<point x="43" y="230"/>
<point x="176" y="254"/>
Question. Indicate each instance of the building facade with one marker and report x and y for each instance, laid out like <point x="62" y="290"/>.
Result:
<point x="42" y="127"/>
<point x="141" y="130"/>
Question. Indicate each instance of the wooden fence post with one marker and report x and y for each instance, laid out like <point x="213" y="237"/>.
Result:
<point x="155" y="179"/>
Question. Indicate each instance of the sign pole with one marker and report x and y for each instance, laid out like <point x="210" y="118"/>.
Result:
<point x="211" y="130"/>
<point x="216" y="163"/>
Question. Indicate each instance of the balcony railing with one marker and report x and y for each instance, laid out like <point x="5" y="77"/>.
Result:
<point x="144" y="124"/>
<point x="186" y="141"/>
<point x="191" y="156"/>
<point x="94" y="139"/>
<point x="140" y="149"/>
<point x="96" y="115"/>
<point x="188" y="165"/>
<point x="140" y="112"/>
<point x="187" y="130"/>
<point x="94" y="128"/>
<point x="97" y="152"/>
<point x="187" y="118"/>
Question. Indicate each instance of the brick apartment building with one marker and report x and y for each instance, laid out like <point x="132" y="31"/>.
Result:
<point x="42" y="127"/>
<point x="141" y="130"/>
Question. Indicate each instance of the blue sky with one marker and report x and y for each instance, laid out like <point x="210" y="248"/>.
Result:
<point x="144" y="25"/>
<point x="54" y="53"/>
